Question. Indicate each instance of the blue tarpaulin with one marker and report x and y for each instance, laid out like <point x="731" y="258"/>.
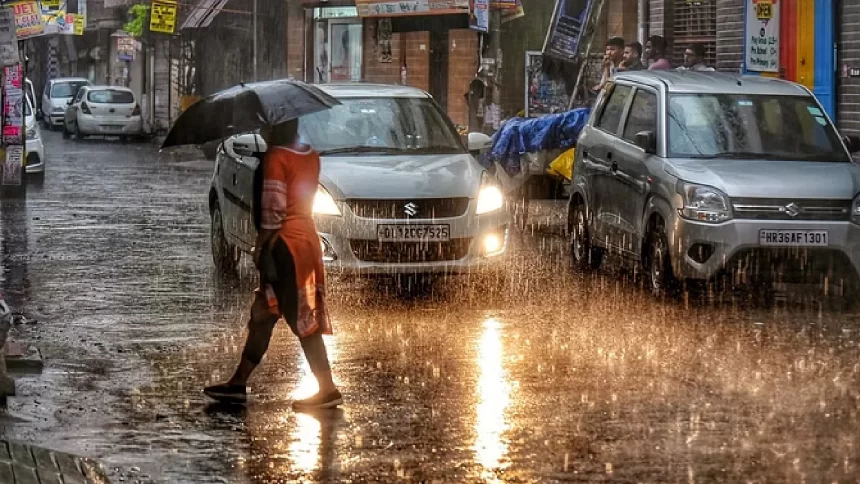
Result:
<point x="519" y="136"/>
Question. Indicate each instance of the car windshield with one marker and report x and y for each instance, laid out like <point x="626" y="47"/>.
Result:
<point x="66" y="89"/>
<point x="367" y="126"/>
<point x="110" y="97"/>
<point x="791" y="128"/>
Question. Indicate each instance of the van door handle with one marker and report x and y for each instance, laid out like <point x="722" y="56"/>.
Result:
<point x="235" y="179"/>
<point x="585" y="155"/>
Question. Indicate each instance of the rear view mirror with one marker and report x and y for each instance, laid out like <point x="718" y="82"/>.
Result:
<point x="245" y="145"/>
<point x="647" y="141"/>
<point x="479" y="142"/>
<point x="852" y="142"/>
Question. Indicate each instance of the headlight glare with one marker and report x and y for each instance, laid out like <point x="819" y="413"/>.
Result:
<point x="324" y="204"/>
<point x="490" y="197"/>
<point x="704" y="204"/>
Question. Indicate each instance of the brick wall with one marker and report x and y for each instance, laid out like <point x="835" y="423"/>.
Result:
<point x="416" y="47"/>
<point x="462" y="65"/>
<point x="296" y="40"/>
<point x="375" y="71"/>
<point x="657" y="10"/>
<point x="848" y="90"/>
<point x="730" y="35"/>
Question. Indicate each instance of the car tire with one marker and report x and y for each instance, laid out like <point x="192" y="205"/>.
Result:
<point x="660" y="278"/>
<point x="225" y="256"/>
<point x="584" y="256"/>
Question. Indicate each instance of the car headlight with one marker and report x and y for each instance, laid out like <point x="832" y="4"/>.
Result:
<point x="704" y="204"/>
<point x="324" y="204"/>
<point x="490" y="197"/>
<point x="32" y="133"/>
<point x="855" y="210"/>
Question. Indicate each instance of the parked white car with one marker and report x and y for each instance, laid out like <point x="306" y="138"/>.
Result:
<point x="35" y="147"/>
<point x="103" y="111"/>
<point x="399" y="192"/>
<point x="58" y="92"/>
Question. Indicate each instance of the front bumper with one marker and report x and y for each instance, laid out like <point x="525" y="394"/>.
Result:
<point x="35" y="156"/>
<point x="57" y="119"/>
<point x="351" y="246"/>
<point x="89" y="125"/>
<point x="735" y="245"/>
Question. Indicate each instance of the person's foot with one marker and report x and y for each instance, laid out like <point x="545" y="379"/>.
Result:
<point x="227" y="393"/>
<point x="321" y="400"/>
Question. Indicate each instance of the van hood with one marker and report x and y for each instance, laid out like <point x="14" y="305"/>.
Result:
<point x="772" y="178"/>
<point x="401" y="176"/>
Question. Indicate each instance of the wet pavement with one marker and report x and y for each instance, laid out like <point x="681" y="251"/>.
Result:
<point x="543" y="377"/>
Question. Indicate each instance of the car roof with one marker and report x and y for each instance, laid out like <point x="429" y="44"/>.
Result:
<point x="107" y="88"/>
<point x="692" y="82"/>
<point x="69" y="79"/>
<point x="360" y="89"/>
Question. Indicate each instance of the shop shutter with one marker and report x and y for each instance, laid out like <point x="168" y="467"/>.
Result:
<point x="695" y="21"/>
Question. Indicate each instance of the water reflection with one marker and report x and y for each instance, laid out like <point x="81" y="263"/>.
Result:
<point x="494" y="396"/>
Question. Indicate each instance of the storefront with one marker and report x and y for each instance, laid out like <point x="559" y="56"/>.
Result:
<point x="337" y="45"/>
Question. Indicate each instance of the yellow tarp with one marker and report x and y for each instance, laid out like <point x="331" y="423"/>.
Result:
<point x="563" y="165"/>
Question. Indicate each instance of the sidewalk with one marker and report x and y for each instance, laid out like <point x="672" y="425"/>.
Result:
<point x="23" y="464"/>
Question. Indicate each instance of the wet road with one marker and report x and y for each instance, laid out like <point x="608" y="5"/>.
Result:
<point x="546" y="377"/>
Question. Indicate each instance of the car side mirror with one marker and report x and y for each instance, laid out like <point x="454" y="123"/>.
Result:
<point x="852" y="142"/>
<point x="69" y="103"/>
<point x="478" y="142"/>
<point x="647" y="141"/>
<point x="245" y="145"/>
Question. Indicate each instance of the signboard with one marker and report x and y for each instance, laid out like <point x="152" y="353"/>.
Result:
<point x="543" y="94"/>
<point x="28" y="19"/>
<point x="125" y="48"/>
<point x="163" y="16"/>
<point x="13" y="165"/>
<point x="79" y="24"/>
<point x="8" y="38"/>
<point x="761" y="45"/>
<point x="395" y="8"/>
<point x="51" y="4"/>
<point x="479" y="15"/>
<point x="566" y="28"/>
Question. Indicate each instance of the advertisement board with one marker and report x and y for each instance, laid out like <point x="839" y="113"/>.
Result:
<point x="479" y="15"/>
<point x="543" y="95"/>
<point x="565" y="31"/>
<point x="761" y="43"/>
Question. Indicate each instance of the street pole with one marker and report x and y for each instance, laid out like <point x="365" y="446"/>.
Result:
<point x="496" y="55"/>
<point x="254" y="28"/>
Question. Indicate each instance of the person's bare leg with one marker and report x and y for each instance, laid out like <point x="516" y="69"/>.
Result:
<point x="317" y="356"/>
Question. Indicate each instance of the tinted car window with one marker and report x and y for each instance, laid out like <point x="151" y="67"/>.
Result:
<point x="66" y="89"/>
<point x="643" y="115"/>
<point x="790" y="128"/>
<point x="110" y="97"/>
<point x="611" y="116"/>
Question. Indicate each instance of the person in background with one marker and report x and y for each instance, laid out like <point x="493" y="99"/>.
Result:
<point x="612" y="58"/>
<point x="632" y="57"/>
<point x="694" y="59"/>
<point x="655" y="53"/>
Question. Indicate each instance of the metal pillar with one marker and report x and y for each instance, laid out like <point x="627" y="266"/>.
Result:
<point x="254" y="28"/>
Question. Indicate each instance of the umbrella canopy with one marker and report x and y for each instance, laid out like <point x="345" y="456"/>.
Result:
<point x="245" y="108"/>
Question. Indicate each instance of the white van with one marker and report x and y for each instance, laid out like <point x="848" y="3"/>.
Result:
<point x="55" y="99"/>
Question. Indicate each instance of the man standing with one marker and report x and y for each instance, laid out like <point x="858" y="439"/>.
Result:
<point x="632" y="57"/>
<point x="694" y="59"/>
<point x="655" y="52"/>
<point x="611" y="60"/>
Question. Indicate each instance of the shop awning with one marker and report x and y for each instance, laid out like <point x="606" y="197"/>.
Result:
<point x="203" y="13"/>
<point x="399" y="8"/>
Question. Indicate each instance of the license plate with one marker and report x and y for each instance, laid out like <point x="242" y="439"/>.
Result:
<point x="793" y="238"/>
<point x="111" y="127"/>
<point x="413" y="233"/>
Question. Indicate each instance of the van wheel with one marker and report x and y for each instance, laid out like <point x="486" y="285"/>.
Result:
<point x="658" y="265"/>
<point x="583" y="255"/>
<point x="225" y="256"/>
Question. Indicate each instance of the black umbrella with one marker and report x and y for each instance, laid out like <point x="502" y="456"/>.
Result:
<point x="245" y="108"/>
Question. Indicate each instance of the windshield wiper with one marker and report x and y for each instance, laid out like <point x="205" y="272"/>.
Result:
<point x="361" y="150"/>
<point x="742" y="155"/>
<point x="437" y="149"/>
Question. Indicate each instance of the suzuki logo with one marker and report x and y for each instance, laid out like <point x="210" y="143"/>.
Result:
<point x="792" y="209"/>
<point x="411" y="209"/>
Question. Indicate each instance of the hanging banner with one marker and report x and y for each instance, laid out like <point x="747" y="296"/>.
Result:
<point x="395" y="8"/>
<point x="79" y="24"/>
<point x="543" y="94"/>
<point x="761" y="45"/>
<point x="8" y="38"/>
<point x="565" y="32"/>
<point x="13" y="165"/>
<point x="163" y="16"/>
<point x="28" y="19"/>
<point x="479" y="15"/>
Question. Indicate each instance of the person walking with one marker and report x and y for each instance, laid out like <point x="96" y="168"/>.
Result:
<point x="292" y="279"/>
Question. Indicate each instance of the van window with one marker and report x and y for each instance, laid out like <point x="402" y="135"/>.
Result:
<point x="643" y="115"/>
<point x="66" y="89"/>
<point x="610" y="118"/>
<point x="110" y="97"/>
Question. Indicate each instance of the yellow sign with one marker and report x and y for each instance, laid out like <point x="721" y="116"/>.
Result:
<point x="163" y="16"/>
<point x="80" y="24"/>
<point x="28" y="19"/>
<point x="764" y="9"/>
<point x="50" y="4"/>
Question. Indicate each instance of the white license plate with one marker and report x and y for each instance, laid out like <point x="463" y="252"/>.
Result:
<point x="793" y="238"/>
<point x="413" y="233"/>
<point x="111" y="127"/>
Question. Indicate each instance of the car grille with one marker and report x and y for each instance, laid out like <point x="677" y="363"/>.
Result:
<point x="406" y="252"/>
<point x="788" y="209"/>
<point x="420" y="208"/>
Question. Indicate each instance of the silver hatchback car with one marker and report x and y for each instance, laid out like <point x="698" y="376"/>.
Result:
<point x="699" y="175"/>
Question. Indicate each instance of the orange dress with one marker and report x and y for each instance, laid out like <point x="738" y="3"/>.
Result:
<point x="290" y="181"/>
